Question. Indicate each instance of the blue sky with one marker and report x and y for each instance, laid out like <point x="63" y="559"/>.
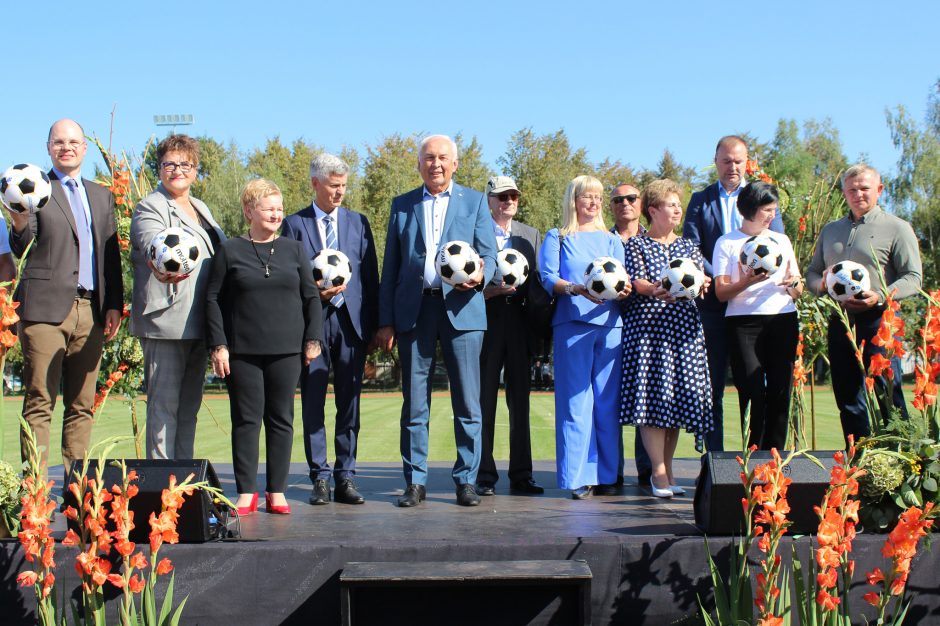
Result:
<point x="624" y="79"/>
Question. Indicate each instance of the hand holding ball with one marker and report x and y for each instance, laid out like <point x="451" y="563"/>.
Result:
<point x="512" y="269"/>
<point x="174" y="251"/>
<point x="762" y="255"/>
<point x="605" y="278"/>
<point x="456" y="262"/>
<point x="683" y="279"/>
<point x="848" y="280"/>
<point x="24" y="187"/>
<point x="331" y="268"/>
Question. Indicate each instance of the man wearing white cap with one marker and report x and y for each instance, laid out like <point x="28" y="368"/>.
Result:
<point x="508" y="344"/>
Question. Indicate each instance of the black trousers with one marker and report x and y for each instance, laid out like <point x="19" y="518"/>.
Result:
<point x="506" y="345"/>
<point x="848" y="380"/>
<point x="763" y="348"/>
<point x="261" y="391"/>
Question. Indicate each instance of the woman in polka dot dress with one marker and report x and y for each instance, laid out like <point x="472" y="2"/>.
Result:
<point x="665" y="371"/>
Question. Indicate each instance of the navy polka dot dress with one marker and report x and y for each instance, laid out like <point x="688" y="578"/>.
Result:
<point x="665" y="370"/>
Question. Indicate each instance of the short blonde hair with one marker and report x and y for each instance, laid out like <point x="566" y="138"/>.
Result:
<point x="859" y="169"/>
<point x="656" y="193"/>
<point x="577" y="187"/>
<point x="256" y="190"/>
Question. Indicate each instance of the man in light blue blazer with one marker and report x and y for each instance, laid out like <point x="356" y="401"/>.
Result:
<point x="711" y="213"/>
<point x="418" y="309"/>
<point x="350" y="317"/>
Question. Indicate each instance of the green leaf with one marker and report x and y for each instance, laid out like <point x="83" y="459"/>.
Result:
<point x="930" y="484"/>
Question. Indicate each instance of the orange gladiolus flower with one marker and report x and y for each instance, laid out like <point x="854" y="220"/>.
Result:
<point x="136" y="584"/>
<point x="826" y="601"/>
<point x="879" y="365"/>
<point x="27" y="578"/>
<point x="165" y="566"/>
<point x="872" y="598"/>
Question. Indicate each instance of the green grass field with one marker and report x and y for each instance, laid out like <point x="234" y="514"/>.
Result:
<point x="378" y="437"/>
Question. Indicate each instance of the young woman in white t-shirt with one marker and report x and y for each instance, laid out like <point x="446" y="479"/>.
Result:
<point x="761" y="319"/>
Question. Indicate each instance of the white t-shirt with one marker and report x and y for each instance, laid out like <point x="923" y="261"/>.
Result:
<point x="767" y="297"/>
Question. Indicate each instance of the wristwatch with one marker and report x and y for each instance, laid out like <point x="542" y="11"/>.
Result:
<point x="569" y="289"/>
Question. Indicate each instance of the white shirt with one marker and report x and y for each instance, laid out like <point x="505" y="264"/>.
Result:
<point x="502" y="236"/>
<point x="731" y="219"/>
<point x="767" y="297"/>
<point x="435" y="211"/>
<point x="321" y="225"/>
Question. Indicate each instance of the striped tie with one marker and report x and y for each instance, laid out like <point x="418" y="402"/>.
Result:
<point x="337" y="300"/>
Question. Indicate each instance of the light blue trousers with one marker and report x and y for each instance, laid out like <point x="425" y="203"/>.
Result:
<point x="587" y="403"/>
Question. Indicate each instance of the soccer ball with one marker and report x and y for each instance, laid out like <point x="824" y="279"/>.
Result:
<point x="512" y="269"/>
<point x="25" y="187"/>
<point x="683" y="279"/>
<point x="331" y="268"/>
<point x="456" y="262"/>
<point x="605" y="278"/>
<point x="762" y="254"/>
<point x="847" y="280"/>
<point x="175" y="251"/>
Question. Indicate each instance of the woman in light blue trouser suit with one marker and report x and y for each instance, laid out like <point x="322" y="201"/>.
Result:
<point x="587" y="343"/>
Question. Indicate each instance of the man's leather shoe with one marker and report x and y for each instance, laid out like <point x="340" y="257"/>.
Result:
<point x="413" y="495"/>
<point x="347" y="493"/>
<point x="466" y="496"/>
<point x="607" y="490"/>
<point x="321" y="492"/>
<point x="526" y="485"/>
<point x="643" y="479"/>
<point x="583" y="493"/>
<point x="485" y="488"/>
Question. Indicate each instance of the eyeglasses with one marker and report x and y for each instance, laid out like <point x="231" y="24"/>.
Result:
<point x="60" y="144"/>
<point x="506" y="197"/>
<point x="591" y="196"/>
<point x="630" y="197"/>
<point x="169" y="166"/>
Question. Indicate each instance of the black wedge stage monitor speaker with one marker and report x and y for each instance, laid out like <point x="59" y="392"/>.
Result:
<point x="199" y="517"/>
<point x="719" y="491"/>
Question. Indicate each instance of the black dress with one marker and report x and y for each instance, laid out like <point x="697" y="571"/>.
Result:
<point x="665" y="370"/>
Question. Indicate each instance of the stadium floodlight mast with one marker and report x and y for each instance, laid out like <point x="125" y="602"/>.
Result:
<point x="185" y="119"/>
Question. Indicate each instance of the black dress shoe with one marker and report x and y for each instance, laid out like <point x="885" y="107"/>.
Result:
<point x="347" y="493"/>
<point x="643" y="479"/>
<point x="526" y="485"/>
<point x="466" y="496"/>
<point x="321" y="492"/>
<point x="413" y="495"/>
<point x="583" y="493"/>
<point x="607" y="490"/>
<point x="485" y="488"/>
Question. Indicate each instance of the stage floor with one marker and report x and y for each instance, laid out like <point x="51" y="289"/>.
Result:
<point x="647" y="558"/>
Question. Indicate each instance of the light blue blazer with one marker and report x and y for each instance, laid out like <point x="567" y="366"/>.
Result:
<point x="468" y="219"/>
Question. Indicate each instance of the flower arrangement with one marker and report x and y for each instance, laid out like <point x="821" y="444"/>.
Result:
<point x="819" y="587"/>
<point x="105" y="556"/>
<point x="10" y="494"/>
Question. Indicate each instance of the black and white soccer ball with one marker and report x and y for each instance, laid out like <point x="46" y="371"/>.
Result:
<point x="683" y="279"/>
<point x="762" y="254"/>
<point x="24" y="187"/>
<point x="847" y="280"/>
<point x="175" y="251"/>
<point x="456" y="262"/>
<point x="512" y="269"/>
<point x="331" y="268"/>
<point x="605" y="277"/>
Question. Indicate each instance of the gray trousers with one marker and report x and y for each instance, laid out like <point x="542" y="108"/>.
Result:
<point x="174" y="373"/>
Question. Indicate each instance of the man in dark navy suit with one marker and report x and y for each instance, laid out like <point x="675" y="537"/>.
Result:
<point x="711" y="213"/>
<point x="350" y="318"/>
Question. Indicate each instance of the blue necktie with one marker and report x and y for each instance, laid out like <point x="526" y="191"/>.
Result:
<point x="86" y="276"/>
<point x="337" y="300"/>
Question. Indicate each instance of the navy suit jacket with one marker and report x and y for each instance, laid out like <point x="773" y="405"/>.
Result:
<point x="468" y="219"/>
<point x="703" y="226"/>
<point x="356" y="242"/>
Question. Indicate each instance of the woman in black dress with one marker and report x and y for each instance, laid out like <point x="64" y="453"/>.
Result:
<point x="264" y="322"/>
<point x="665" y="371"/>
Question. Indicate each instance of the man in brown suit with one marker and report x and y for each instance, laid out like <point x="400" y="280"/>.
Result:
<point x="70" y="292"/>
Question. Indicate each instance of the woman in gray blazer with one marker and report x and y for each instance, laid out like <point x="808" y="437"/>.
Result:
<point x="168" y="312"/>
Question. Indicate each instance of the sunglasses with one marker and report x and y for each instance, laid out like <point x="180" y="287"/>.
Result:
<point x="506" y="197"/>
<point x="631" y="198"/>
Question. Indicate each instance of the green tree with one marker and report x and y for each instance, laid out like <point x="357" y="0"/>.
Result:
<point x="390" y="169"/>
<point x="915" y="191"/>
<point x="222" y="174"/>
<point x="472" y="172"/>
<point x="288" y="167"/>
<point x="542" y="166"/>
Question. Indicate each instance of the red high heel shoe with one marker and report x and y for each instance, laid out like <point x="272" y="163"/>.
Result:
<point x="252" y="506"/>
<point x="279" y="509"/>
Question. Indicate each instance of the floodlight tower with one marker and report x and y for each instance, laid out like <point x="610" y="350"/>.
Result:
<point x="173" y="121"/>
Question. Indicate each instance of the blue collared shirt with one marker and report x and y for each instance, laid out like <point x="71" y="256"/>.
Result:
<point x="731" y="218"/>
<point x="321" y="226"/>
<point x="435" y="212"/>
<point x="89" y="238"/>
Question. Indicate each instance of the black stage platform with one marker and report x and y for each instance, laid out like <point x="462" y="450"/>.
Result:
<point x="646" y="556"/>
